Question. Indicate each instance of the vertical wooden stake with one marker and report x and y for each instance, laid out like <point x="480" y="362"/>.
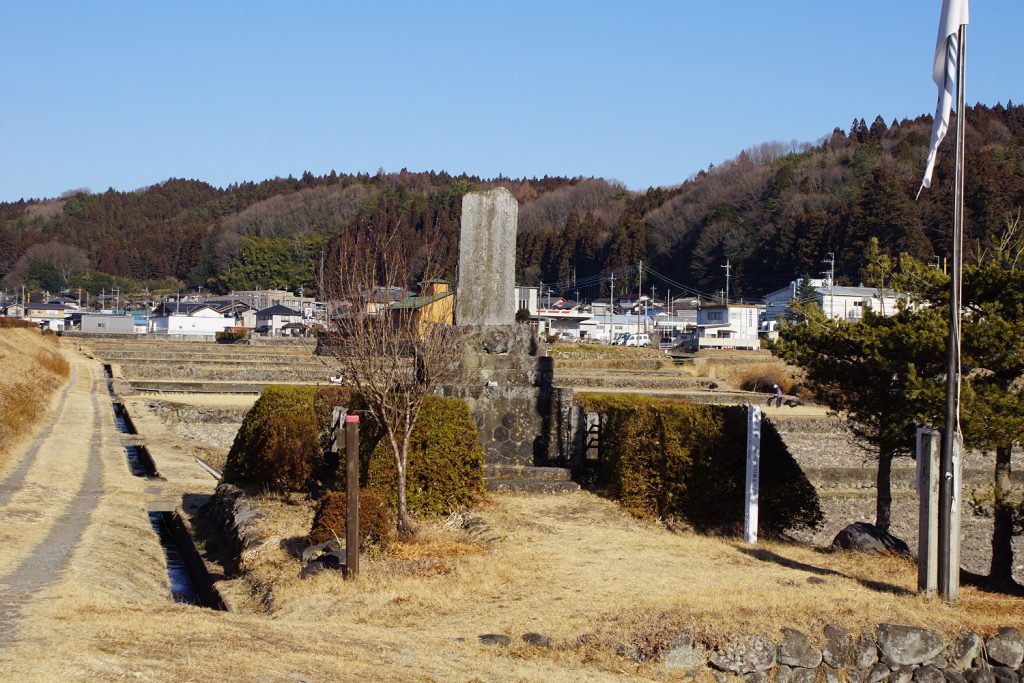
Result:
<point x="352" y="494"/>
<point x="928" y="444"/>
<point x="753" y="482"/>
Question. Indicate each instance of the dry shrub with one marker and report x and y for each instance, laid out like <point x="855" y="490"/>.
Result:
<point x="763" y="378"/>
<point x="20" y="406"/>
<point x="22" y="403"/>
<point x="16" y="322"/>
<point x="376" y="521"/>
<point x="52" y="363"/>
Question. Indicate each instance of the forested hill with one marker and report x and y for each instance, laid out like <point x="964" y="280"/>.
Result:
<point x="774" y="212"/>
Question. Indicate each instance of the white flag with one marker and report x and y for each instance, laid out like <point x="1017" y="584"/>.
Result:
<point x="954" y="15"/>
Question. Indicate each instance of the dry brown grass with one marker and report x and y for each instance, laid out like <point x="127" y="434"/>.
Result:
<point x="601" y="584"/>
<point x="761" y="378"/>
<point x="33" y="370"/>
<point x="609" y="590"/>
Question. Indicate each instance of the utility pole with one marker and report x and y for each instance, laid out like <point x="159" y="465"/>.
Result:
<point x="831" y="261"/>
<point x="639" y="292"/>
<point x="728" y="272"/>
<point x="611" y="311"/>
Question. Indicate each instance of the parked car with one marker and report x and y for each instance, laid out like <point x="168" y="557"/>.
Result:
<point x="637" y="340"/>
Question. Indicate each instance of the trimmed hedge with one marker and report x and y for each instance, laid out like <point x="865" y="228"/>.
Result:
<point x="284" y="445"/>
<point x="277" y="447"/>
<point x="376" y="520"/>
<point x="446" y="460"/>
<point x="672" y="458"/>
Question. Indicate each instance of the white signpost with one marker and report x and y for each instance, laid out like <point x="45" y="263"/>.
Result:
<point x="753" y="474"/>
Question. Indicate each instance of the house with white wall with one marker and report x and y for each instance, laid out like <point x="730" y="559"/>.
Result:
<point x="199" y="321"/>
<point x="273" y="319"/>
<point x="726" y="326"/>
<point x="845" y="303"/>
<point x="526" y="297"/>
<point x="51" y="316"/>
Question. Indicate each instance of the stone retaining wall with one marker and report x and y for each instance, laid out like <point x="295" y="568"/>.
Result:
<point x="236" y="521"/>
<point x="898" y="654"/>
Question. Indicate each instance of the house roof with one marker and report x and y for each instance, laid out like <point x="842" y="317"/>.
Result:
<point x="277" y="310"/>
<point x="167" y="308"/>
<point x="417" y="302"/>
<point x="710" y="306"/>
<point x="855" y="291"/>
<point x="222" y="305"/>
<point x="45" y="307"/>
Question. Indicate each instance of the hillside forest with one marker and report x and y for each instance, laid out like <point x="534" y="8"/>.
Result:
<point x="774" y="212"/>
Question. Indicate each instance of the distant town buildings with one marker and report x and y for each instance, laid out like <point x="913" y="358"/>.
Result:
<point x="845" y="303"/>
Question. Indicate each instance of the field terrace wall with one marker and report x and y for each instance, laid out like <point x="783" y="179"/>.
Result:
<point x="888" y="653"/>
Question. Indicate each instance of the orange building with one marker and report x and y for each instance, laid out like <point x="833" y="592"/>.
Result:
<point x="435" y="305"/>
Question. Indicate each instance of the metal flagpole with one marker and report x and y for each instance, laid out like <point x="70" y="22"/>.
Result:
<point x="949" y="569"/>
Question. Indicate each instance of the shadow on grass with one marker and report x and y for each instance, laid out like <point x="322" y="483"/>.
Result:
<point x="769" y="556"/>
<point x="989" y="585"/>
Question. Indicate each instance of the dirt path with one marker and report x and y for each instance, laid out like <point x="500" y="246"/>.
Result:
<point x="48" y="499"/>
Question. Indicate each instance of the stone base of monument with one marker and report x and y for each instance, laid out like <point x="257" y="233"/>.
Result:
<point x="514" y="479"/>
<point x="507" y="381"/>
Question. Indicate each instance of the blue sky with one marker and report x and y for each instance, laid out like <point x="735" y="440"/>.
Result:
<point x="125" y="94"/>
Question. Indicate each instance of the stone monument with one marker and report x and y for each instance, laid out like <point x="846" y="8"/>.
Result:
<point x="486" y="293"/>
<point x="506" y="373"/>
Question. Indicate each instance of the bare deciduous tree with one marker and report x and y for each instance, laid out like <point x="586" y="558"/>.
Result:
<point x="67" y="261"/>
<point x="382" y="340"/>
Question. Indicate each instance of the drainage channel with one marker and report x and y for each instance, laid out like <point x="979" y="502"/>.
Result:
<point x="140" y="461"/>
<point x="108" y="374"/>
<point x="190" y="582"/>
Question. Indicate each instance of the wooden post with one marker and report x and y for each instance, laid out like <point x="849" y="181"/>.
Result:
<point x="352" y="494"/>
<point x="928" y="443"/>
<point x="753" y="481"/>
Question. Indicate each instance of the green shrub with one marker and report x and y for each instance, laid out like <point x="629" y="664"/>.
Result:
<point x="277" y="447"/>
<point x="284" y="444"/>
<point x="672" y="458"/>
<point x="376" y="520"/>
<point x="324" y="401"/>
<point x="445" y="470"/>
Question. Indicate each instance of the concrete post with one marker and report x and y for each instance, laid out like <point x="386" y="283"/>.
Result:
<point x="949" y="563"/>
<point x="928" y="443"/>
<point x="753" y="480"/>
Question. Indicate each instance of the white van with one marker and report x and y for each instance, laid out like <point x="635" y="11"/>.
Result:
<point x="637" y="340"/>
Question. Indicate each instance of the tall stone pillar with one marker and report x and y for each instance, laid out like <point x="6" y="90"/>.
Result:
<point x="486" y="292"/>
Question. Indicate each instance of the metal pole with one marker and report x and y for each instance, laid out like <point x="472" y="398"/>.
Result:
<point x="949" y="575"/>
<point x="352" y="495"/>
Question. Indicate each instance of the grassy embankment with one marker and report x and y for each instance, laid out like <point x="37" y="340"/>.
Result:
<point x="33" y="371"/>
